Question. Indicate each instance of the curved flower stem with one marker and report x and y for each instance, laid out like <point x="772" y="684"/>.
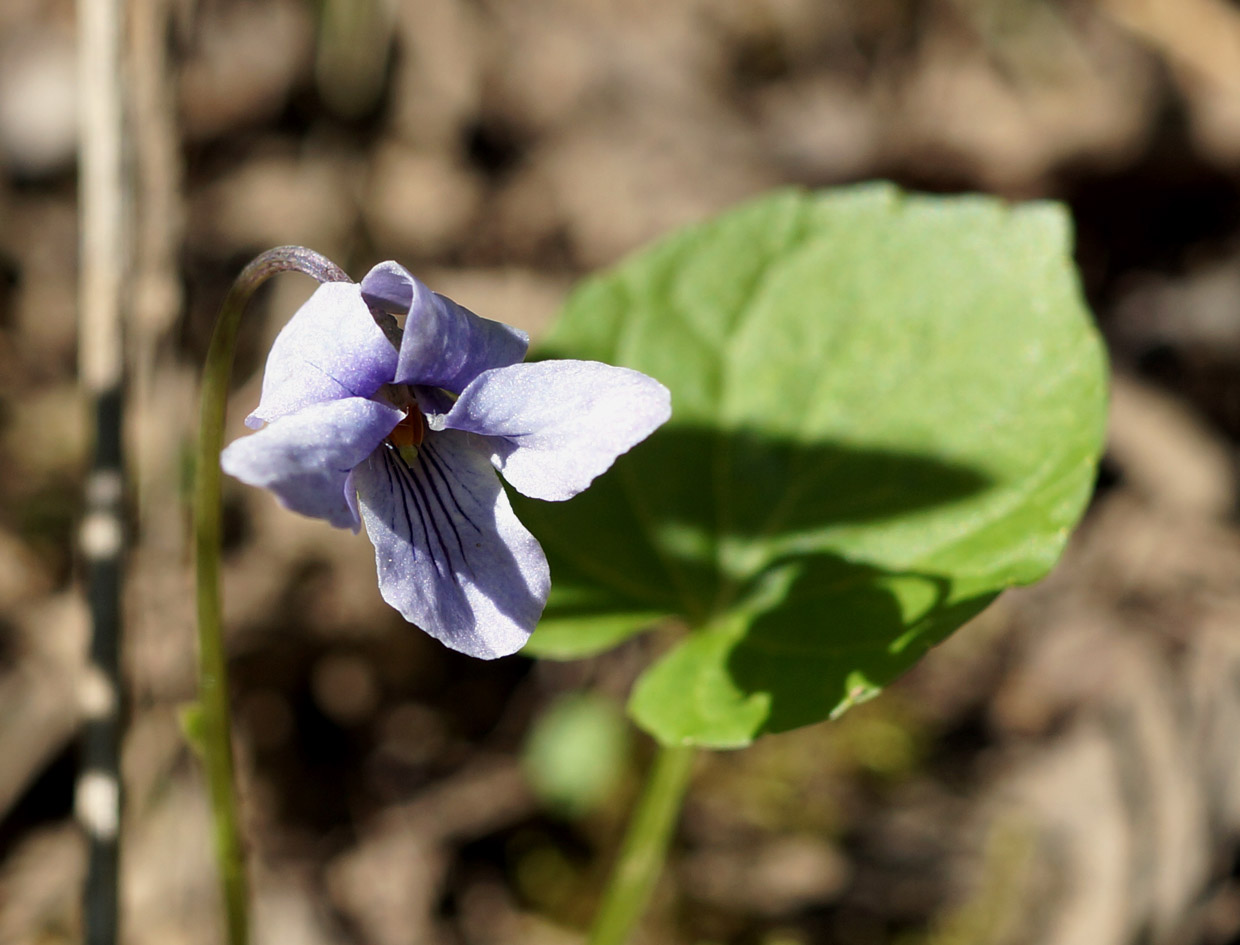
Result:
<point x="213" y="722"/>
<point x="645" y="847"/>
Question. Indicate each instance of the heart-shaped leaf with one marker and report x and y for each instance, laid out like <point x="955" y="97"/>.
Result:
<point x="886" y="409"/>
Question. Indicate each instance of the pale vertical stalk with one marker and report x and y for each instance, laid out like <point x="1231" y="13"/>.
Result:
<point x="103" y="251"/>
<point x="645" y="846"/>
<point x="213" y="723"/>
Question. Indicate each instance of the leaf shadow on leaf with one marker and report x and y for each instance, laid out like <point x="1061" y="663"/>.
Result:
<point x="839" y="634"/>
<point x="696" y="522"/>
<point x="760" y="485"/>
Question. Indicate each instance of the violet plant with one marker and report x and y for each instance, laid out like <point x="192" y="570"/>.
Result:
<point x="885" y="409"/>
<point x="407" y="437"/>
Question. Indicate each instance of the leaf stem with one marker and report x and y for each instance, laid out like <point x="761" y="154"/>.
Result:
<point x="645" y="847"/>
<point x="215" y="726"/>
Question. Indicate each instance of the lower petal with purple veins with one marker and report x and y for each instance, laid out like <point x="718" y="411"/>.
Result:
<point x="452" y="556"/>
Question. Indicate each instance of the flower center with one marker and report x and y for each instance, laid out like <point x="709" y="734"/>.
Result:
<point x="410" y="431"/>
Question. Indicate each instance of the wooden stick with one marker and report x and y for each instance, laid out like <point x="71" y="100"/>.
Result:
<point x="104" y="258"/>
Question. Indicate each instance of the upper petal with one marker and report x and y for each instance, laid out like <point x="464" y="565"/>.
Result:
<point x="330" y="349"/>
<point x="452" y="556"/>
<point x="562" y="422"/>
<point x="305" y="457"/>
<point x="444" y="345"/>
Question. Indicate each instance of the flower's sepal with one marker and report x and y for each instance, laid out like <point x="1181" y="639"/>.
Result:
<point x="305" y="457"/>
<point x="557" y="425"/>
<point x="444" y="344"/>
<point x="330" y="349"/>
<point x="452" y="556"/>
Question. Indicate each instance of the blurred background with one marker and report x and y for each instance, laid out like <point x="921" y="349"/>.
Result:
<point x="1064" y="771"/>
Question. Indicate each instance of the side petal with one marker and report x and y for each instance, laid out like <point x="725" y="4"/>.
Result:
<point x="444" y="344"/>
<point x="452" y="556"/>
<point x="305" y="457"/>
<point x="561" y="423"/>
<point x="330" y="349"/>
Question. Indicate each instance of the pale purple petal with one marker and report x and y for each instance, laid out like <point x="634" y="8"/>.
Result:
<point x="305" y="457"/>
<point x="444" y="345"/>
<point x="451" y="554"/>
<point x="562" y="423"/>
<point x="330" y="349"/>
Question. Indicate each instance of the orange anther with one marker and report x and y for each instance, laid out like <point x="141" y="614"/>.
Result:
<point x="410" y="431"/>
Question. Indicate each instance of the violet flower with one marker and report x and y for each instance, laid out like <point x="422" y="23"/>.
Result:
<point x="406" y="437"/>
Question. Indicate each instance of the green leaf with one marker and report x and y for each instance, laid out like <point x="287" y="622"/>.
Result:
<point x="569" y="636"/>
<point x="886" y="409"/>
